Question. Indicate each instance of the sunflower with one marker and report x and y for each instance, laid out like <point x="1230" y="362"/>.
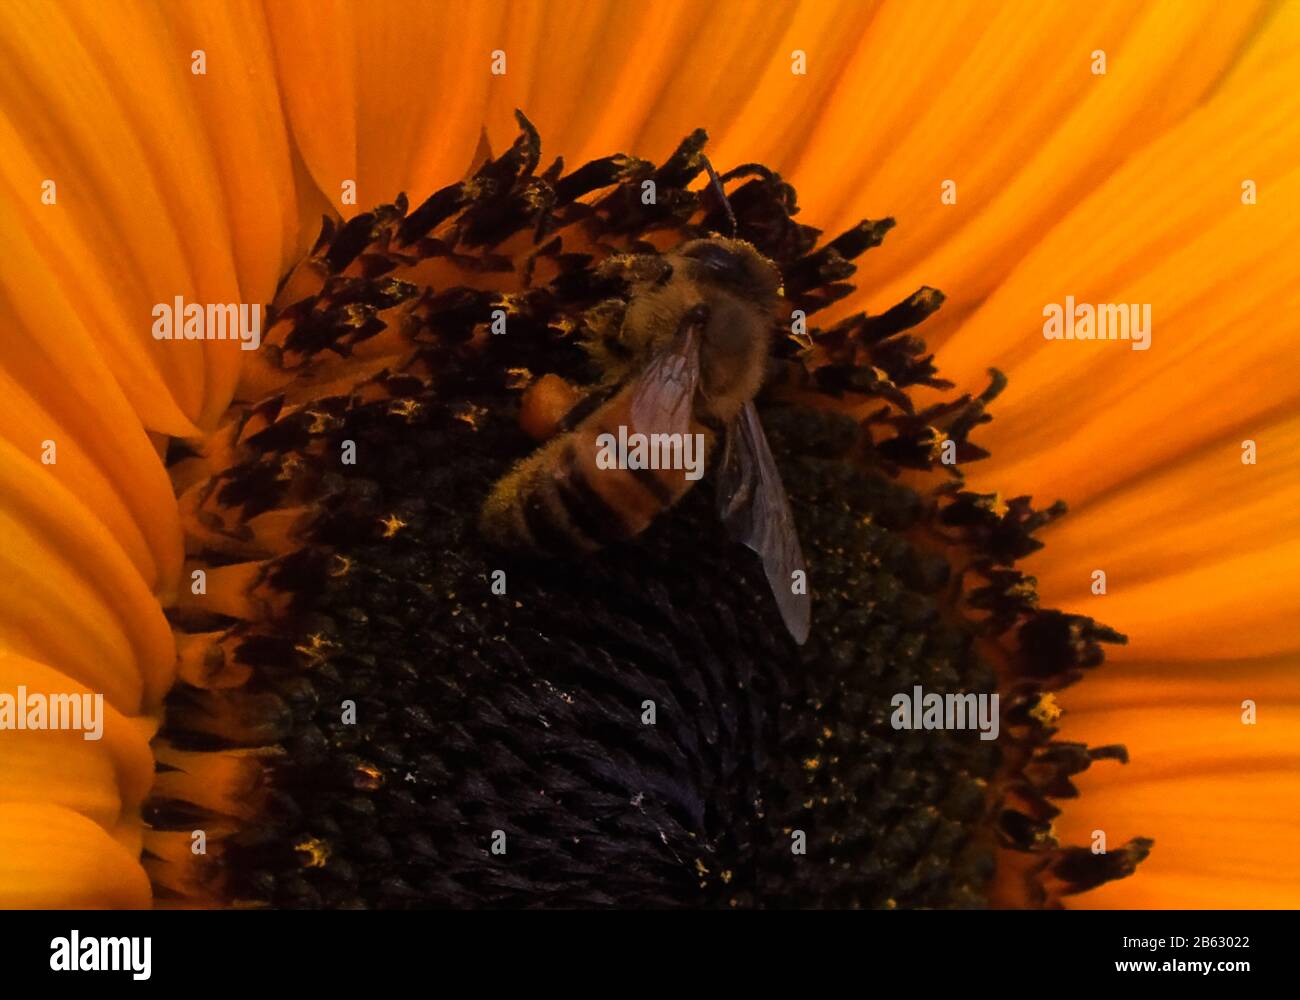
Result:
<point x="184" y="539"/>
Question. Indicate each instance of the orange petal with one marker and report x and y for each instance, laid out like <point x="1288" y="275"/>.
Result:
<point x="53" y="858"/>
<point x="61" y="388"/>
<point x="642" y="91"/>
<point x="388" y="95"/>
<point x="1200" y="557"/>
<point x="1005" y="104"/>
<point x="1170" y="230"/>
<point x="104" y="779"/>
<point x="238" y="103"/>
<point x="71" y="597"/>
<point x="150" y="221"/>
<point x="1146" y="446"/>
<point x="1219" y="796"/>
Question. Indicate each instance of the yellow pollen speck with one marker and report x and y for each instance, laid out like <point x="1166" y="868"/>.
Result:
<point x="1025" y="588"/>
<point x="812" y="763"/>
<point x="392" y="525"/>
<point x="1046" y="711"/>
<point x="509" y="301"/>
<point x="369" y="777"/>
<point x="406" y="408"/>
<point x="290" y="466"/>
<point x="314" y="647"/>
<point x="468" y="413"/>
<point x="468" y="416"/>
<point x="726" y="877"/>
<point x="341" y="565"/>
<point x="317" y="852"/>
<point x="699" y="867"/>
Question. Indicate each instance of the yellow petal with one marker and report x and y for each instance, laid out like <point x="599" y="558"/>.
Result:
<point x="53" y="858"/>
<point x="657" y="75"/>
<point x="1218" y="795"/>
<point x="1169" y="229"/>
<point x="71" y="597"/>
<point x="1146" y="446"/>
<point x="1200" y="556"/>
<point x="104" y="779"/>
<point x="103" y="103"/>
<point x="349" y="70"/>
<point x="54" y="275"/>
<point x="60" y="389"/>
<point x="1005" y="104"/>
<point x="238" y="103"/>
<point x="387" y="95"/>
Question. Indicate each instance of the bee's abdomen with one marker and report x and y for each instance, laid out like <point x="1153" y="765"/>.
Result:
<point x="548" y="504"/>
<point x="560" y="499"/>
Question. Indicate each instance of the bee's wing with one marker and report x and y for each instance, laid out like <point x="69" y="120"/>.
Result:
<point x="755" y="510"/>
<point x="663" y="394"/>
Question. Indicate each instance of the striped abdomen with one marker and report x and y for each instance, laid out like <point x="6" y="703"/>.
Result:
<point x="559" y="499"/>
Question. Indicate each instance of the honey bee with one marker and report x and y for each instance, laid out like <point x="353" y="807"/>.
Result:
<point x="695" y="338"/>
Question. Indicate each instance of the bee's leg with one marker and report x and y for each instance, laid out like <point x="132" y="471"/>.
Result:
<point x="552" y="406"/>
<point x="715" y="182"/>
<point x="544" y="405"/>
<point x="590" y="403"/>
<point x="636" y="268"/>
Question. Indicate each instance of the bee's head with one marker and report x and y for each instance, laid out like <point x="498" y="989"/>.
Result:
<point x="733" y="265"/>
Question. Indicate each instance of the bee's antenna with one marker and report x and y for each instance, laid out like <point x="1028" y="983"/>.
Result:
<point x="721" y="192"/>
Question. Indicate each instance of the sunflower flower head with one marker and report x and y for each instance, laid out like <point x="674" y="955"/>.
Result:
<point x="377" y="709"/>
